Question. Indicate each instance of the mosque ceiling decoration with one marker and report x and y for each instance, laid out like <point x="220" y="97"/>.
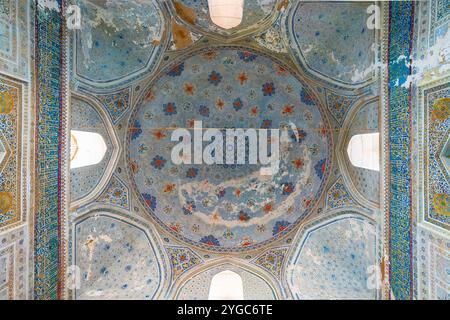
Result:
<point x="116" y="193"/>
<point x="117" y="258"/>
<point x="333" y="41"/>
<point x="224" y="207"/>
<point x="12" y="157"/>
<point x="14" y="36"/>
<point x="182" y="259"/>
<point x="324" y="87"/>
<point x="436" y="155"/>
<point x="339" y="196"/>
<point x="119" y="41"/>
<point x="332" y="259"/>
<point x="273" y="261"/>
<point x="87" y="117"/>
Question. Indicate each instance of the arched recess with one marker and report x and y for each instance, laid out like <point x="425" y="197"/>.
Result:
<point x="195" y="284"/>
<point x="116" y="256"/>
<point x="364" y="184"/>
<point x="88" y="116"/>
<point x="336" y="257"/>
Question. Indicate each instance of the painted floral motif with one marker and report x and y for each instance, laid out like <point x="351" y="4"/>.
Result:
<point x="150" y="201"/>
<point x="192" y="173"/>
<point x="210" y="241"/>
<point x="280" y="226"/>
<point x="320" y="168"/>
<point x="298" y="135"/>
<point x="272" y="261"/>
<point x="268" y="89"/>
<point x="215" y="78"/>
<point x="204" y="111"/>
<point x="288" y="188"/>
<point x="158" y="162"/>
<point x="182" y="259"/>
<point x="339" y="106"/>
<point x="116" y="193"/>
<point x="243" y="77"/>
<point x="266" y="124"/>
<point x="237" y="104"/>
<point x="136" y="130"/>
<point x="170" y="109"/>
<point x="189" y="208"/>
<point x="189" y="89"/>
<point x="244" y="217"/>
<point x="441" y="109"/>
<point x="176" y="70"/>
<point x="338" y="195"/>
<point x="116" y="104"/>
<point x="306" y="97"/>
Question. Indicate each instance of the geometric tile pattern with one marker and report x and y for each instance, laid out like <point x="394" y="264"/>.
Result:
<point x="433" y="264"/>
<point x="437" y="177"/>
<point x="338" y="195"/>
<point x="339" y="106"/>
<point x="11" y="96"/>
<point x="14" y="273"/>
<point x="272" y="261"/>
<point x="182" y="259"/>
<point x="116" y="193"/>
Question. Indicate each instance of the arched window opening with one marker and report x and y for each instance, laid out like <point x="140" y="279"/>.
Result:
<point x="226" y="285"/>
<point x="364" y="151"/>
<point x="86" y="148"/>
<point x="226" y="14"/>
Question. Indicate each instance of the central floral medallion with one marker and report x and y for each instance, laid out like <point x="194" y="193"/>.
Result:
<point x="233" y="202"/>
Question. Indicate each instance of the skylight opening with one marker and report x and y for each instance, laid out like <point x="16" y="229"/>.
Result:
<point x="226" y="14"/>
<point x="226" y="285"/>
<point x="86" y="149"/>
<point x="364" y="151"/>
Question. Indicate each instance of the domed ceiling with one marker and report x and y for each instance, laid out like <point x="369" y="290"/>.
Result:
<point x="228" y="207"/>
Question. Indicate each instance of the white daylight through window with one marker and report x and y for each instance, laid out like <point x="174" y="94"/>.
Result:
<point x="364" y="151"/>
<point x="86" y="148"/>
<point x="226" y="285"/>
